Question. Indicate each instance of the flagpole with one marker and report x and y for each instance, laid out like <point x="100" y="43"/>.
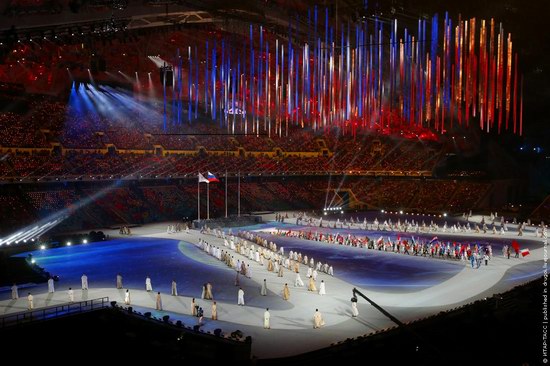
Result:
<point x="208" y="201"/>
<point x="226" y="193"/>
<point x="239" y="195"/>
<point x="199" y="198"/>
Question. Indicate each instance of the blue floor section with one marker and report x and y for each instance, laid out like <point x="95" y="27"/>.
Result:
<point x="372" y="269"/>
<point x="135" y="258"/>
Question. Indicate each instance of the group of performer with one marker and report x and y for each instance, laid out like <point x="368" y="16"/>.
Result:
<point x="177" y="228"/>
<point x="415" y="226"/>
<point x="124" y="230"/>
<point x="265" y="253"/>
<point x="419" y="247"/>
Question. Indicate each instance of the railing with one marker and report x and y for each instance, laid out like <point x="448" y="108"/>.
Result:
<point x="52" y="312"/>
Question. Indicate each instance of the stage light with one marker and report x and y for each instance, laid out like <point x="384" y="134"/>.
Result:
<point x="382" y="211"/>
<point x="84" y="241"/>
<point x="42" y="247"/>
<point x="445" y="214"/>
<point x="33" y="261"/>
<point x="342" y="211"/>
<point x="401" y="212"/>
<point x="68" y="243"/>
<point x="325" y="213"/>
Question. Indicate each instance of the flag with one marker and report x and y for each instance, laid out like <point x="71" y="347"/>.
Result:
<point x="525" y="252"/>
<point x="515" y="245"/>
<point x="202" y="179"/>
<point x="433" y="239"/>
<point x="211" y="178"/>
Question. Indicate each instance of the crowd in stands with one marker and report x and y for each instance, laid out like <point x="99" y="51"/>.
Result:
<point x="465" y="194"/>
<point x="15" y="133"/>
<point x="15" y="210"/>
<point x="91" y="206"/>
<point x="252" y="143"/>
<point x="26" y="7"/>
<point x="297" y="141"/>
<point x="94" y="145"/>
<point x="138" y="202"/>
<point x="41" y="65"/>
<point x="58" y="140"/>
<point x="383" y="193"/>
<point x="53" y="142"/>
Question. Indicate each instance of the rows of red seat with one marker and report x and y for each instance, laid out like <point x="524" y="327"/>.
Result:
<point x="101" y="165"/>
<point x="157" y="201"/>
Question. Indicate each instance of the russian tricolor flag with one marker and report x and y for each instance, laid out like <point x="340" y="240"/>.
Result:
<point x="212" y="178"/>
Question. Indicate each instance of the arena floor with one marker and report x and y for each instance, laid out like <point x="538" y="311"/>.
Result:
<point x="406" y="286"/>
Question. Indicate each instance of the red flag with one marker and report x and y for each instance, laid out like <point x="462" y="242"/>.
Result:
<point x="525" y="252"/>
<point x="515" y="245"/>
